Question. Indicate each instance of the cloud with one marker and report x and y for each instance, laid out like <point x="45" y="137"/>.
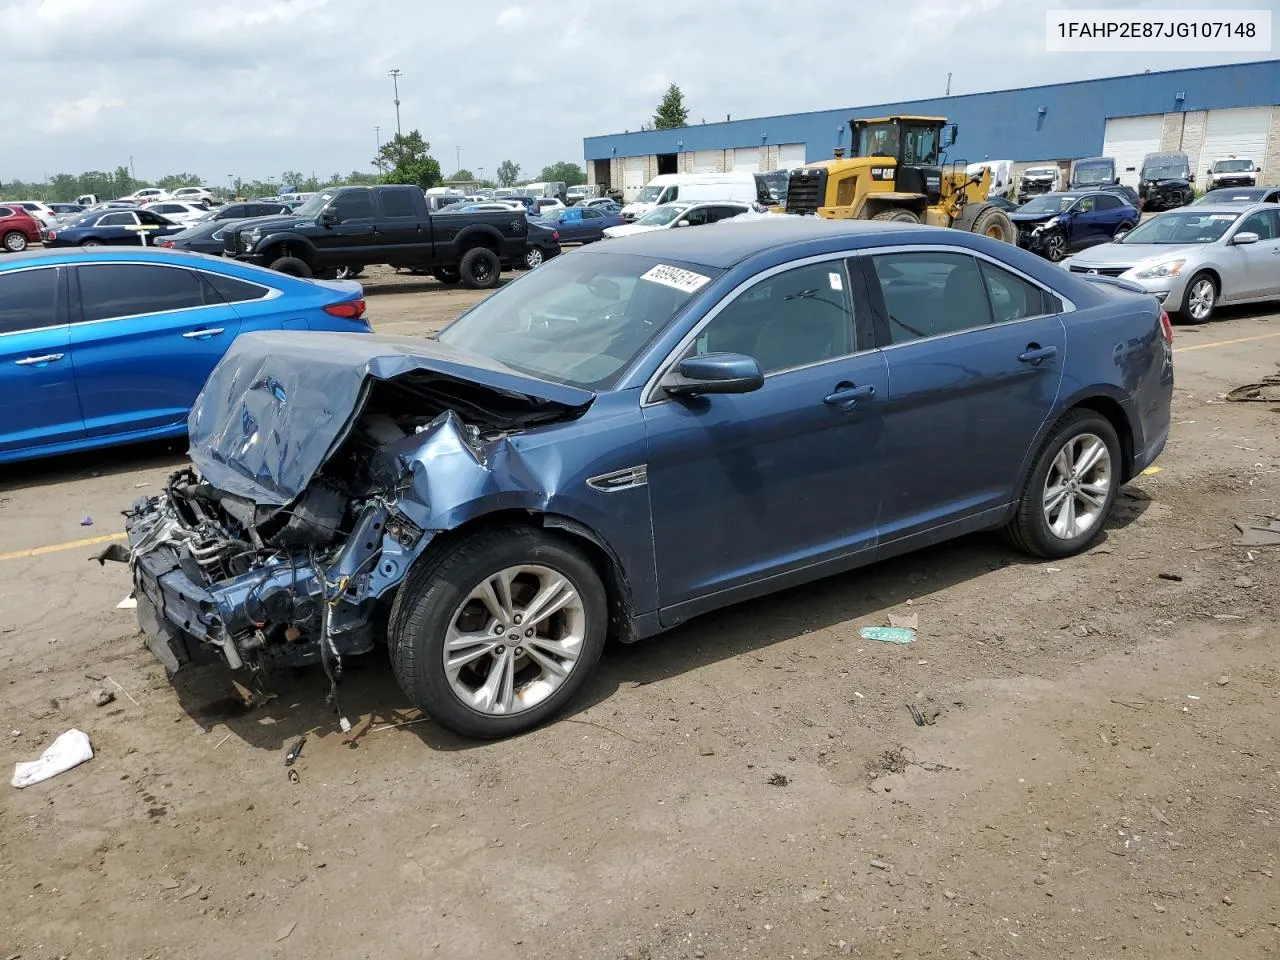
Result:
<point x="256" y="87"/>
<point x="77" y="114"/>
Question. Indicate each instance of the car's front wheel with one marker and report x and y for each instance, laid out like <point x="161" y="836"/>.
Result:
<point x="1201" y="298"/>
<point x="498" y="633"/>
<point x="293" y="267"/>
<point x="1055" y="246"/>
<point x="15" y="242"/>
<point x="1072" y="487"/>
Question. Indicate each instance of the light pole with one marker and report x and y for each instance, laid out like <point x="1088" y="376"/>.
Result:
<point x="231" y="186"/>
<point x="395" y="75"/>
<point x="457" y="158"/>
<point x="377" y="154"/>
<point x="133" y="174"/>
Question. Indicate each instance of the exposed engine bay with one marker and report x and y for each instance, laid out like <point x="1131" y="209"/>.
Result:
<point x="219" y="574"/>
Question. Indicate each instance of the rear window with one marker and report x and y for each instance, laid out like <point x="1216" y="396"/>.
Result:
<point x="28" y="299"/>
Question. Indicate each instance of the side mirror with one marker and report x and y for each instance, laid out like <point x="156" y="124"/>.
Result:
<point x="714" y="373"/>
<point x="329" y="217"/>
<point x="950" y="134"/>
<point x="682" y="223"/>
<point x="1245" y="238"/>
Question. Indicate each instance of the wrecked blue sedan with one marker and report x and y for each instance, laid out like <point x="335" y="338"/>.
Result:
<point x="633" y="435"/>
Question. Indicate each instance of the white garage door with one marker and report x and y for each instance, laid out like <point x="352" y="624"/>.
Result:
<point x="1238" y="133"/>
<point x="707" y="161"/>
<point x="1128" y="140"/>
<point x="633" y="177"/>
<point x="790" y="155"/>
<point x="747" y="160"/>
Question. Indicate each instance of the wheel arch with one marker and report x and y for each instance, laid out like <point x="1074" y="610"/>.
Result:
<point x="605" y="560"/>
<point x="1102" y="399"/>
<point x="279" y="245"/>
<point x="480" y="235"/>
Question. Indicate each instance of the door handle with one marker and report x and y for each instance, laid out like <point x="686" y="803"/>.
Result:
<point x="846" y="395"/>
<point x="38" y="361"/>
<point x="202" y="334"/>
<point x="1036" y="353"/>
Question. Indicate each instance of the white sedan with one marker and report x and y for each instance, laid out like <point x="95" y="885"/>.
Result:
<point x="177" y="211"/>
<point x="669" y="215"/>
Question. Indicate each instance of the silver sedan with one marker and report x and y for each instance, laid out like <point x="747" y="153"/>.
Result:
<point x="1195" y="258"/>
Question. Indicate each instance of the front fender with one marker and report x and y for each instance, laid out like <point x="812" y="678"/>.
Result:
<point x="296" y="242"/>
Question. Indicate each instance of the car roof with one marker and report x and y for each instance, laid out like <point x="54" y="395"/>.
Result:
<point x="723" y="244"/>
<point x="129" y="254"/>
<point x="1240" y="206"/>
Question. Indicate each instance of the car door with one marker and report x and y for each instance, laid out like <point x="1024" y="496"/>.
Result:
<point x="724" y="212"/>
<point x="352" y="234"/>
<point x="403" y="227"/>
<point x="152" y="226"/>
<point x="748" y="486"/>
<point x="1085" y="227"/>
<point x="37" y="379"/>
<point x="1260" y="261"/>
<point x="118" y="228"/>
<point x="144" y="338"/>
<point x="975" y="354"/>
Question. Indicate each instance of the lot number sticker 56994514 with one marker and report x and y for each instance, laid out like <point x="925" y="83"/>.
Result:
<point x="685" y="280"/>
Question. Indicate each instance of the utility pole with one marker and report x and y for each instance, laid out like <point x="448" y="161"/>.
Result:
<point x="132" y="172"/>
<point x="395" y="74"/>
<point x="948" y="83"/>
<point x="377" y="153"/>
<point x="457" y="158"/>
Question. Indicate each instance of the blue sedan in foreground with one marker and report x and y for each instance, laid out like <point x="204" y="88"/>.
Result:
<point x="109" y="346"/>
<point x="636" y="434"/>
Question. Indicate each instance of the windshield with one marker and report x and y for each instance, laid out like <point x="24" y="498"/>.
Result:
<point x="1166" y="171"/>
<point x="1041" y="172"/>
<point x="313" y="206"/>
<point x="1049" y="203"/>
<point x="1181" y="228"/>
<point x="1233" y="166"/>
<point x="649" y="194"/>
<point x="1100" y="173"/>
<point x="660" y="216"/>
<point x="579" y="320"/>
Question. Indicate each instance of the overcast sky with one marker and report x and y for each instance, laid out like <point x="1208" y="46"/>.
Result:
<point x="255" y="87"/>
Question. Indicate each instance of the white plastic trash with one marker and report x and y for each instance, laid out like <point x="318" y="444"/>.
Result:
<point x="70" y="750"/>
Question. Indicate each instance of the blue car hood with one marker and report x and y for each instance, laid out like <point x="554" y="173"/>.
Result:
<point x="280" y="403"/>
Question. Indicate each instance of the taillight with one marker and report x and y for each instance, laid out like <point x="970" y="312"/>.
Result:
<point x="555" y="235"/>
<point x="348" y="309"/>
<point x="51" y="235"/>
<point x="1166" y="327"/>
<point x="166" y="243"/>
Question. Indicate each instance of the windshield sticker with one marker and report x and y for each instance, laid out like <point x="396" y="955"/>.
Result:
<point x="685" y="280"/>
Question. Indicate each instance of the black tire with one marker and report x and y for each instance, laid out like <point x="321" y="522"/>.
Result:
<point x="995" y="223"/>
<point x="293" y="267"/>
<point x="897" y="216"/>
<point x="1123" y="228"/>
<point x="1185" y="313"/>
<point x="342" y="273"/>
<point x="1029" y="530"/>
<point x="447" y="275"/>
<point x="434" y="590"/>
<point x="480" y="268"/>
<point x="91" y="243"/>
<point x="534" y="257"/>
<point x="1055" y="246"/>
<point x="15" y="241"/>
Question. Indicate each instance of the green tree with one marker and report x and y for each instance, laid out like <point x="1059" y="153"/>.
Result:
<point x="124" y="182"/>
<point x="358" y="178"/>
<point x="508" y="173"/>
<point x="406" y="158"/>
<point x="175" y="180"/>
<point x="570" y="173"/>
<point x="292" y="178"/>
<point x="463" y="174"/>
<point x="671" y="112"/>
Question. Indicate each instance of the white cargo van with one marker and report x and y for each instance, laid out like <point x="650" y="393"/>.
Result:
<point x="1001" y="175"/>
<point x="696" y="187"/>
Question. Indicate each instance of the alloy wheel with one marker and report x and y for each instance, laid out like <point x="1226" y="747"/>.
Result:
<point x="15" y="243"/>
<point x="514" y="640"/>
<point x="1056" y="247"/>
<point x="1077" y="486"/>
<point x="1201" y="298"/>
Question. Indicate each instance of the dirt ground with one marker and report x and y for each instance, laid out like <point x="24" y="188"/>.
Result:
<point x="1097" y="777"/>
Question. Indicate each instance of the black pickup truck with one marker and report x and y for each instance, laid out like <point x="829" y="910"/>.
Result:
<point x="351" y="227"/>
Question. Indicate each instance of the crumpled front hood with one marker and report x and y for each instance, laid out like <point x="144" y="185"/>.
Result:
<point x="279" y="403"/>
<point x="1031" y="218"/>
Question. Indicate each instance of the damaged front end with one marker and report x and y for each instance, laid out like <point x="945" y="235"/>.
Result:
<point x="322" y="469"/>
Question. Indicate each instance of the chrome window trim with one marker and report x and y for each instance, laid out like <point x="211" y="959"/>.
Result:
<point x="273" y="293"/>
<point x="647" y="394"/>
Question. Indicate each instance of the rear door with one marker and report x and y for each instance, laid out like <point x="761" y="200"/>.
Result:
<point x="975" y="355"/>
<point x="37" y="379"/>
<point x="118" y="228"/>
<point x="402" y="225"/>
<point x="144" y="339"/>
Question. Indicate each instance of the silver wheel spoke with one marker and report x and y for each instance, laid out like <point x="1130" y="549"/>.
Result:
<point x="495" y="593"/>
<point x="553" y="596"/>
<point x="552" y="654"/>
<point x="1062" y="462"/>
<point x="463" y="648"/>
<point x="1053" y="498"/>
<point x="1093" y="494"/>
<point x="1090" y="457"/>
<point x="497" y="693"/>
<point x="1069" y="517"/>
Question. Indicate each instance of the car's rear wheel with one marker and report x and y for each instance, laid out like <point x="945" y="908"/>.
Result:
<point x="91" y="243"/>
<point x="15" y="242"/>
<point x="447" y="275"/>
<point x="480" y="268"/>
<point x="1071" y="489"/>
<point x="293" y="267"/>
<point x="533" y="257"/>
<point x="498" y="633"/>
<point x="1125" y="227"/>
<point x="1201" y="298"/>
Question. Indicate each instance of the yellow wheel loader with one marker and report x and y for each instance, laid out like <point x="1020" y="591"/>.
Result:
<point x="897" y="171"/>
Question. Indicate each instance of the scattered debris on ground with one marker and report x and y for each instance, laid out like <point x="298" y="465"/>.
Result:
<point x="69" y="750"/>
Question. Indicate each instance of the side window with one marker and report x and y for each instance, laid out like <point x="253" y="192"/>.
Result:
<point x="108" y="291"/>
<point x="1013" y="298"/>
<point x="671" y="193"/>
<point x="28" y="299"/>
<point x="589" y="213"/>
<point x="117" y="220"/>
<point x="929" y="294"/>
<point x="5" y="212"/>
<point x="724" y="213"/>
<point x="697" y="216"/>
<point x="151" y="219"/>
<point x="1108" y="201"/>
<point x="1085" y="204"/>
<point x="793" y="319"/>
<point x="1263" y="223"/>
<point x="356" y="205"/>
<point x="231" y="290"/>
<point x="398" y="204"/>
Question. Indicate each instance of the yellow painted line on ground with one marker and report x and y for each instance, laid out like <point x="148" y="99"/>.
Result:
<point x="1224" y="343"/>
<point x="59" y="547"/>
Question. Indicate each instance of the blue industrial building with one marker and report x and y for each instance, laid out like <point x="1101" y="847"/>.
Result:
<point x="1208" y="112"/>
